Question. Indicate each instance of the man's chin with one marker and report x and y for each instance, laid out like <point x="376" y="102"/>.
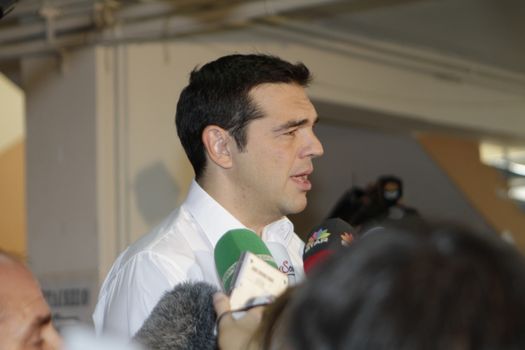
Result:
<point x="297" y="207"/>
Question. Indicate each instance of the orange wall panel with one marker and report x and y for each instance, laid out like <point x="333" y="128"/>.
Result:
<point x="12" y="199"/>
<point x="480" y="184"/>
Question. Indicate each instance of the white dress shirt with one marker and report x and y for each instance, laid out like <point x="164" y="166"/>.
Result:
<point x="177" y="250"/>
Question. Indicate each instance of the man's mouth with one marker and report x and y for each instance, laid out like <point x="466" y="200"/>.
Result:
<point x="302" y="181"/>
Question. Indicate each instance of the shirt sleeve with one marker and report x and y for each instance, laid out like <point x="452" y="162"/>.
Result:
<point x="134" y="292"/>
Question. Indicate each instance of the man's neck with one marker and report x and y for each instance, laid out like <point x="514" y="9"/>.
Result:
<point x="250" y="216"/>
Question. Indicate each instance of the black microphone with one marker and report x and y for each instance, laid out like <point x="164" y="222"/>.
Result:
<point x="324" y="240"/>
<point x="184" y="318"/>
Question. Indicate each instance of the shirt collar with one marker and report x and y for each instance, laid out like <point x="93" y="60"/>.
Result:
<point x="209" y="214"/>
<point x="215" y="220"/>
<point x="278" y="231"/>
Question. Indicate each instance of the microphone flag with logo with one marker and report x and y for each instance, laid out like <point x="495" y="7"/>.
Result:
<point x="283" y="260"/>
<point x="324" y="240"/>
<point x="229" y="250"/>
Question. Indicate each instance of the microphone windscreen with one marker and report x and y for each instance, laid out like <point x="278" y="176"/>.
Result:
<point x="324" y="240"/>
<point x="184" y="318"/>
<point x="229" y="249"/>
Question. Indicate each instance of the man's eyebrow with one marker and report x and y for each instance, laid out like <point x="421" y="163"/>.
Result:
<point x="294" y="123"/>
<point x="41" y="321"/>
<point x="44" y="319"/>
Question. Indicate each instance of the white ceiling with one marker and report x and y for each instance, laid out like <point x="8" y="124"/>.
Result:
<point x="488" y="31"/>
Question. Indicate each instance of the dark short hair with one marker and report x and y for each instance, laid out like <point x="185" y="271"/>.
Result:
<point x="447" y="288"/>
<point x="218" y="94"/>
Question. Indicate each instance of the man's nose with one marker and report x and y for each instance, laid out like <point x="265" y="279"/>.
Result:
<point x="53" y="341"/>
<point x="315" y="147"/>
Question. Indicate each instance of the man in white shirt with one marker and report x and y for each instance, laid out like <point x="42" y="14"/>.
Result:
<point x="246" y="124"/>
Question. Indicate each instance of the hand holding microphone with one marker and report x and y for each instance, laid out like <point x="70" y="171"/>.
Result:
<point x="235" y="333"/>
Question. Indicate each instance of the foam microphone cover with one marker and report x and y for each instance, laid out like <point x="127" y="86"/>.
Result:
<point x="229" y="249"/>
<point x="324" y="240"/>
<point x="184" y="318"/>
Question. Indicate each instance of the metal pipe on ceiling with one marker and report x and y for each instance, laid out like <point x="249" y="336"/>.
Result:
<point x="135" y="22"/>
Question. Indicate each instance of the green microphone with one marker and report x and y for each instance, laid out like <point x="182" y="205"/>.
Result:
<point x="230" y="250"/>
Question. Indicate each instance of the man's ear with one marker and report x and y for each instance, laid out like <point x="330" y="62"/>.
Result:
<point x="217" y="142"/>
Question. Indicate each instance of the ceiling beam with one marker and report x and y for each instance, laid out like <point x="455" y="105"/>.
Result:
<point x="135" y="22"/>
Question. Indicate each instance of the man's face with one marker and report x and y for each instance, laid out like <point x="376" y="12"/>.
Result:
<point x="25" y="318"/>
<point x="272" y="171"/>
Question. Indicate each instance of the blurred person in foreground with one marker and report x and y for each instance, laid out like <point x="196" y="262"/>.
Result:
<point x="25" y="317"/>
<point x="442" y="288"/>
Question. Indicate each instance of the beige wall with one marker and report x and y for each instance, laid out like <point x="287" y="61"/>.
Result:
<point x="12" y="199"/>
